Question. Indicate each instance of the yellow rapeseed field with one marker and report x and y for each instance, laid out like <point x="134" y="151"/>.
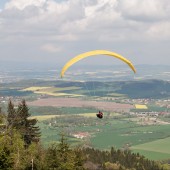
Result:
<point x="141" y="106"/>
<point x="35" y="88"/>
<point x="57" y="94"/>
<point x="43" y="117"/>
<point x="52" y="91"/>
<point x="87" y="114"/>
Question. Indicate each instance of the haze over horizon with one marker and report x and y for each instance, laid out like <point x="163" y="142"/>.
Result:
<point x="54" y="31"/>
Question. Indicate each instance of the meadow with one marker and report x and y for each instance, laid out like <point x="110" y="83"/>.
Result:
<point x="149" y="140"/>
<point x="121" y="133"/>
<point x="157" y="149"/>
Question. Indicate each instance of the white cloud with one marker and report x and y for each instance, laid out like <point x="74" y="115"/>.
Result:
<point x="21" y="4"/>
<point x="160" y="31"/>
<point x="51" y="48"/>
<point x="78" y="18"/>
<point x="93" y="22"/>
<point x="145" y="10"/>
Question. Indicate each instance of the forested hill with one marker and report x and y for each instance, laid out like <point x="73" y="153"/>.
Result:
<point x="157" y="89"/>
<point x="146" y="89"/>
<point x="133" y="89"/>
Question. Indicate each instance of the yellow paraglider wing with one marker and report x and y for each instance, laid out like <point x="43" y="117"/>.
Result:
<point x="94" y="53"/>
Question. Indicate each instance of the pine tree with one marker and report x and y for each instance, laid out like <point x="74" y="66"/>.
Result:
<point x="30" y="133"/>
<point x="65" y="155"/>
<point x="62" y="157"/>
<point x="52" y="157"/>
<point x="34" y="157"/>
<point x="11" y="153"/>
<point x="11" y="115"/>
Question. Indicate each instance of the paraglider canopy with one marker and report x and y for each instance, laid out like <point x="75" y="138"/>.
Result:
<point x="94" y="53"/>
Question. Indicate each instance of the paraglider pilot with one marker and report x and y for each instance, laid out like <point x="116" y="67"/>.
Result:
<point x="100" y="115"/>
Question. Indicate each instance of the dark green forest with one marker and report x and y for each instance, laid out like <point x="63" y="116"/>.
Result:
<point x="21" y="149"/>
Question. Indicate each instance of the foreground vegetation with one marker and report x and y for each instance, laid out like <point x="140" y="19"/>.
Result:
<point x="21" y="149"/>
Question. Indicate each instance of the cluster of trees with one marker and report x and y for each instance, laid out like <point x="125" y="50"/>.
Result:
<point x="120" y="160"/>
<point x="21" y="149"/>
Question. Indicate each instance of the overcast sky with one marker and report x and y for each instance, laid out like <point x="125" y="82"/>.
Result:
<point x="54" y="31"/>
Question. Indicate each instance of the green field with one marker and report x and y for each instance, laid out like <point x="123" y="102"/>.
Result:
<point x="115" y="132"/>
<point x="76" y="110"/>
<point x="152" y="155"/>
<point x="47" y="110"/>
<point x="122" y="132"/>
<point x="158" y="149"/>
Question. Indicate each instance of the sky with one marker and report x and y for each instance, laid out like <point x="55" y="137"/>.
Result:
<point x="54" y="31"/>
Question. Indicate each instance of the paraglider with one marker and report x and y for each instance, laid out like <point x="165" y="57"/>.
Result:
<point x="100" y="115"/>
<point x="94" y="53"/>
